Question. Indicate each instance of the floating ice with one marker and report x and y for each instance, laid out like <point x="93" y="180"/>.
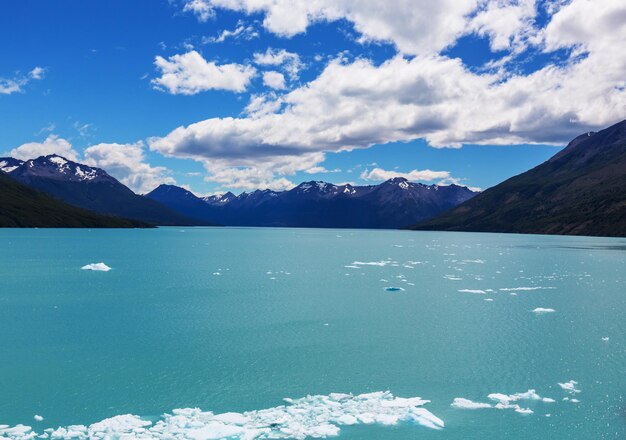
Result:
<point x="605" y="339"/>
<point x="394" y="289"/>
<point x="570" y="386"/>
<point x="514" y="289"/>
<point x="488" y="299"/>
<point x="381" y="263"/>
<point x="482" y="292"/>
<point x="100" y="267"/>
<point x="461" y="403"/>
<point x="503" y="401"/>
<point x="38" y="418"/>
<point x="540" y="310"/>
<point x="311" y="416"/>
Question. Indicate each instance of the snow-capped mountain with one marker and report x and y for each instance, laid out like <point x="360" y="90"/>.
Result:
<point x="90" y="188"/>
<point x="58" y="168"/>
<point x="8" y="164"/>
<point x="395" y="203"/>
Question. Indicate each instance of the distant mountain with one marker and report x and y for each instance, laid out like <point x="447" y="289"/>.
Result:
<point x="579" y="191"/>
<point x="8" y="164"/>
<point x="90" y="188"/>
<point x="21" y="206"/>
<point x="395" y="203"/>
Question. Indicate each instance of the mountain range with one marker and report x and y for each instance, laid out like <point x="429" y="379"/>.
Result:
<point x="579" y="191"/>
<point x="21" y="206"/>
<point x="90" y="188"/>
<point x="395" y="203"/>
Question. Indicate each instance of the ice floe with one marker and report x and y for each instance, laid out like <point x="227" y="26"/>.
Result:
<point x="502" y="401"/>
<point x="461" y="403"/>
<point x="100" y="267"/>
<point x="482" y="292"/>
<point x="381" y="263"/>
<point x="570" y="386"/>
<point x="541" y="310"/>
<point x="311" y="416"/>
<point x="517" y="289"/>
<point x="38" y="418"/>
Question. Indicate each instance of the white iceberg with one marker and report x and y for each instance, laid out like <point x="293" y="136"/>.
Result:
<point x="570" y="386"/>
<point x="100" y="267"/>
<point x="541" y="310"/>
<point x="461" y="403"/>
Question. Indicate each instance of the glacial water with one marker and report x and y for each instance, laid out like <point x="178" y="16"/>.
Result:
<point x="507" y="336"/>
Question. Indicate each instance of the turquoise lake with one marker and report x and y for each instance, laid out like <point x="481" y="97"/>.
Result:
<point x="234" y="320"/>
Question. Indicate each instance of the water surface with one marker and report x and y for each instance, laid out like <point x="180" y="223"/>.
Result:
<point x="236" y="319"/>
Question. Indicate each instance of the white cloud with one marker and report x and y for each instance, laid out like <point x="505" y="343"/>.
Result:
<point x="242" y="31"/>
<point x="509" y="24"/>
<point x="190" y="73"/>
<point x="422" y="26"/>
<point x="16" y="84"/>
<point x="359" y="103"/>
<point x="289" y="61"/>
<point x="379" y="174"/>
<point x="51" y="145"/>
<point x="321" y="170"/>
<point x="37" y="73"/>
<point x="274" y="80"/>
<point x="201" y="8"/>
<point x="127" y="163"/>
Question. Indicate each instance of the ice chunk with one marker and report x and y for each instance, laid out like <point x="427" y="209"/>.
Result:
<point x="570" y="386"/>
<point x="541" y="310"/>
<point x="100" y="267"/>
<point x="482" y="292"/>
<point x="461" y="403"/>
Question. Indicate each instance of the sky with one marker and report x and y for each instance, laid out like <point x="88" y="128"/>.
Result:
<point x="217" y="95"/>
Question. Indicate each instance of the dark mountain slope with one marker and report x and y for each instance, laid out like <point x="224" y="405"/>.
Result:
<point x="579" y="191"/>
<point x="93" y="189"/>
<point x="21" y="206"/>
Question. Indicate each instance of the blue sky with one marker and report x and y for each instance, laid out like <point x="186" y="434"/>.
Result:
<point x="463" y="91"/>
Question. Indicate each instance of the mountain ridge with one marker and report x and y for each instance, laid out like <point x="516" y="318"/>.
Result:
<point x="581" y="190"/>
<point x="90" y="188"/>
<point x="395" y="203"/>
<point x="21" y="206"/>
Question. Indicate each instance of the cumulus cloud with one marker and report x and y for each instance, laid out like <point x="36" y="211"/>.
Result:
<point x="379" y="174"/>
<point x="290" y="62"/>
<point x="190" y="73"/>
<point x="17" y="83"/>
<point x="274" y="80"/>
<point x="127" y="163"/>
<point x="201" y="8"/>
<point x="423" y="25"/>
<point x="420" y="92"/>
<point x="509" y="24"/>
<point x="53" y="144"/>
